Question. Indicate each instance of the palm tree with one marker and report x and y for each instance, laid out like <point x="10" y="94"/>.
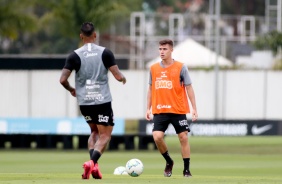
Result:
<point x="67" y="15"/>
<point x="60" y="20"/>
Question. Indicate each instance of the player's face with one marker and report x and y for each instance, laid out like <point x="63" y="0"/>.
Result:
<point x="165" y="51"/>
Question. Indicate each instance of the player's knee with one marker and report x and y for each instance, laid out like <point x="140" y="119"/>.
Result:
<point x="183" y="138"/>
<point x="158" y="138"/>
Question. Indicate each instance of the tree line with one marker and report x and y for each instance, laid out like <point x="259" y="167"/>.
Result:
<point x="52" y="27"/>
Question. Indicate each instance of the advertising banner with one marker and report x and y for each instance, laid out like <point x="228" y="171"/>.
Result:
<point x="60" y="126"/>
<point x="223" y="127"/>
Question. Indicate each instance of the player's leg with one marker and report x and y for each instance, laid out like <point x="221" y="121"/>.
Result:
<point x="184" y="143"/>
<point x="160" y="126"/>
<point x="159" y="141"/>
<point x="104" y="124"/>
<point x="100" y="120"/>
<point x="185" y="152"/>
<point x="181" y="127"/>
<point x="105" y="133"/>
<point x="88" y="166"/>
<point x="92" y="138"/>
<point x="98" y="144"/>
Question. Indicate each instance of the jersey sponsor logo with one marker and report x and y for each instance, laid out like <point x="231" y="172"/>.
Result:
<point x="89" y="54"/>
<point x="89" y="87"/>
<point x="163" y="74"/>
<point x="103" y="118"/>
<point x="259" y="130"/>
<point x="163" y="84"/>
<point x="94" y="96"/>
<point x="159" y="106"/>
<point x="92" y="86"/>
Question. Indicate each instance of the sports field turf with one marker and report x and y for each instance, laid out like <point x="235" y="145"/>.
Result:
<point x="226" y="160"/>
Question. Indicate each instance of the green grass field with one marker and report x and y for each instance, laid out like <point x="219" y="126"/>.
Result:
<point x="226" y="160"/>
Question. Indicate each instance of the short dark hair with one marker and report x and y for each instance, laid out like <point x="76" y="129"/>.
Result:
<point x="166" y="41"/>
<point x="87" y="29"/>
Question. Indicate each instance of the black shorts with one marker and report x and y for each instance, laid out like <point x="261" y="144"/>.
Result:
<point x="178" y="121"/>
<point x="99" y="114"/>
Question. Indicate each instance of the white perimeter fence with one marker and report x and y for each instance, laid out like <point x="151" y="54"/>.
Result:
<point x="241" y="94"/>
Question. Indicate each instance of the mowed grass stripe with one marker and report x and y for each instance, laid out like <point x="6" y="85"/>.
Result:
<point x="108" y="178"/>
<point x="214" y="161"/>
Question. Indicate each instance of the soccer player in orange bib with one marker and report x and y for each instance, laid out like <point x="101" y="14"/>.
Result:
<point x="170" y="87"/>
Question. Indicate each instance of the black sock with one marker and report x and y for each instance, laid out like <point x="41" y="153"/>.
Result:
<point x="91" y="152"/>
<point x="167" y="157"/>
<point x="186" y="163"/>
<point x="95" y="156"/>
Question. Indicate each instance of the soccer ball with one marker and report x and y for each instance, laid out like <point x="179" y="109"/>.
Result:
<point x="120" y="171"/>
<point x="134" y="167"/>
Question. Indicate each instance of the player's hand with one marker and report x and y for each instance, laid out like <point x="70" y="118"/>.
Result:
<point x="148" y="115"/>
<point x="72" y="92"/>
<point x="194" y="115"/>
<point x="123" y="80"/>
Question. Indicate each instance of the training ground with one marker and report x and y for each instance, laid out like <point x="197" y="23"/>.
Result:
<point x="214" y="160"/>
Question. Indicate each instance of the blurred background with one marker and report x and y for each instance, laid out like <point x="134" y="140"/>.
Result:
<point x="231" y="48"/>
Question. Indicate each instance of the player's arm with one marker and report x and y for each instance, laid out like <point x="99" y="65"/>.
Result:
<point x="117" y="74"/>
<point x="191" y="96"/>
<point x="149" y="98"/>
<point x="185" y="77"/>
<point x="149" y="103"/>
<point x="109" y="62"/>
<point x="64" y="81"/>
<point x="72" y="63"/>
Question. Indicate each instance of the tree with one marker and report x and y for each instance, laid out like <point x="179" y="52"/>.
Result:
<point x="58" y="21"/>
<point x="271" y="41"/>
<point x="70" y="14"/>
<point x="63" y="20"/>
<point x="242" y="7"/>
<point x="16" y="17"/>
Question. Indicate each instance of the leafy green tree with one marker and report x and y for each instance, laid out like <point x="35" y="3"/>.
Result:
<point x="58" y="21"/>
<point x="271" y="41"/>
<point x="242" y="7"/>
<point x="16" y="18"/>
<point x="67" y="15"/>
<point x="61" y="23"/>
